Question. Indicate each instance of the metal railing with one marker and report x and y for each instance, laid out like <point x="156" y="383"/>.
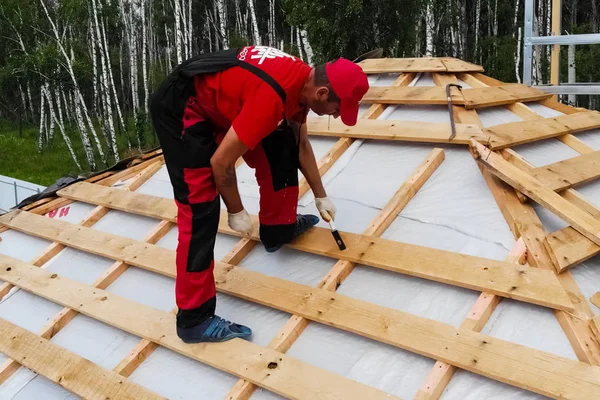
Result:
<point x="16" y="186"/>
<point x="530" y="40"/>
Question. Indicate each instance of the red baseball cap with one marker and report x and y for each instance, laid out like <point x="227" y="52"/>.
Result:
<point x="350" y="83"/>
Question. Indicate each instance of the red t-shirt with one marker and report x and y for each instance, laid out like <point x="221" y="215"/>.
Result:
<point x="237" y="97"/>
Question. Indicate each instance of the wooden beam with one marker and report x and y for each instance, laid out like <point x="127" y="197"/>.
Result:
<point x="528" y="114"/>
<point x="515" y="133"/>
<point x="390" y="65"/>
<point x="568" y="247"/>
<point x="595" y="299"/>
<point x="525" y="183"/>
<point x="147" y="205"/>
<point x="469" y="98"/>
<point x="538" y="371"/>
<point x="66" y="315"/>
<point x="525" y="223"/>
<point x="519" y="283"/>
<point x="480" y="313"/>
<point x="284" y="339"/>
<point x="267" y="368"/>
<point x="408" y="131"/>
<point x="568" y="173"/>
<point x="65" y="368"/>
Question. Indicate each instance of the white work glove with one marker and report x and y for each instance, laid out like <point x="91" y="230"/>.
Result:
<point x="325" y="206"/>
<point x="240" y="222"/>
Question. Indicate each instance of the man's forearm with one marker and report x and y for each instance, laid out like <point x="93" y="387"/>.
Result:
<point x="308" y="164"/>
<point x="226" y="182"/>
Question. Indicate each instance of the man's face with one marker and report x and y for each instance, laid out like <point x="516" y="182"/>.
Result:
<point x="320" y="104"/>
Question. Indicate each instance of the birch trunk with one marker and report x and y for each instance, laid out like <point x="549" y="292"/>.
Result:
<point x="144" y="55"/>
<point x="168" y="49"/>
<point x="77" y="92"/>
<point x="112" y="79"/>
<point x="429" y="26"/>
<point x="57" y="96"/>
<point x="110" y="135"/>
<point x="222" y="24"/>
<point x="307" y="49"/>
<point x="68" y="114"/>
<point x="178" y="38"/>
<point x="87" y="146"/>
<point x="572" y="72"/>
<point x="92" y="42"/>
<point x="477" y="22"/>
<point x="299" y="43"/>
<point x="190" y="30"/>
<point x="60" y="123"/>
<point x="31" y="106"/>
<point x="518" y="57"/>
<point x="41" y="136"/>
<point x="255" y="33"/>
<point x="51" y="116"/>
<point x="184" y="28"/>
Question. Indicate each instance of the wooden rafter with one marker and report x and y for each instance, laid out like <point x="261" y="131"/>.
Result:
<point x="341" y="270"/>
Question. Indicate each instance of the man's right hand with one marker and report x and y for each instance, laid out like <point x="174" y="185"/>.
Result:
<point x="240" y="222"/>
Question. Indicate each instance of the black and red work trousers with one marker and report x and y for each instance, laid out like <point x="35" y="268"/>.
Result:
<point x="187" y="151"/>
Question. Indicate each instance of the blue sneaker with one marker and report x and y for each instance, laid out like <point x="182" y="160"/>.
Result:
<point x="214" y="329"/>
<point x="303" y="223"/>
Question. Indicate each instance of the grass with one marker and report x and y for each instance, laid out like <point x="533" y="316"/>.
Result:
<point x="19" y="156"/>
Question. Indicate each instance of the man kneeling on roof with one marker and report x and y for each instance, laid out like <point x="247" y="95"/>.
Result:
<point x="250" y="102"/>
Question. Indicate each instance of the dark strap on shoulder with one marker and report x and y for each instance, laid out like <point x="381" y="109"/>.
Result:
<point x="265" y="77"/>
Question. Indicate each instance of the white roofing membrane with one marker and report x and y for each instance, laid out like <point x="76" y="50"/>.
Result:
<point x="453" y="211"/>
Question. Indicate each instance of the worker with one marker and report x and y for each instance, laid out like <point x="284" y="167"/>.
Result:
<point x="250" y="102"/>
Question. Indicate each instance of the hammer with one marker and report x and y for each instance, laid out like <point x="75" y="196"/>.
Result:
<point x="449" y="99"/>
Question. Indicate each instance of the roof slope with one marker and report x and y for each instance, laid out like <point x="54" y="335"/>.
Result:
<point x="453" y="283"/>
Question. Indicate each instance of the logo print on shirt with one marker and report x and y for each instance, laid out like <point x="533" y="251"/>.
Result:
<point x="265" y="52"/>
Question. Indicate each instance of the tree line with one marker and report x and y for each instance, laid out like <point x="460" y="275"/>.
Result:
<point x="84" y="69"/>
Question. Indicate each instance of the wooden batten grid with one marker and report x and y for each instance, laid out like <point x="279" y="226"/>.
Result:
<point x="524" y="223"/>
<point x="10" y="366"/>
<point x="268" y="366"/>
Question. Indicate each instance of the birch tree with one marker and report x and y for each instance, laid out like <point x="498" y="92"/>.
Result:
<point x="81" y="107"/>
<point x="255" y="33"/>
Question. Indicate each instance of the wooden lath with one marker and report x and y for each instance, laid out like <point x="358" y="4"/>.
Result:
<point x="395" y="65"/>
<point x="342" y="269"/>
<point x="461" y="270"/>
<point x="66" y="368"/>
<point x="571" y="172"/>
<point x="407" y="131"/>
<point x="272" y="370"/>
<point x="515" y="133"/>
<point x="469" y="98"/>
<point x="289" y="377"/>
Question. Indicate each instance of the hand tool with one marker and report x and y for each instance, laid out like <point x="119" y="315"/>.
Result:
<point x="334" y="231"/>
<point x="449" y="99"/>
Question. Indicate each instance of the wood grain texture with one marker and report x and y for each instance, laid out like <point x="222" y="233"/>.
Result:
<point x="423" y="64"/>
<point x="409" y="131"/>
<point x="267" y="368"/>
<point x="570" y="172"/>
<point x="470" y="98"/>
<point x="65" y="368"/>
<point x="530" y="285"/>
<point x="150" y="206"/>
<point x="515" y="133"/>
<point x="288" y="334"/>
<point x="528" y="185"/>
<point x="478" y="316"/>
<point x="507" y="362"/>
<point x="595" y="299"/>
